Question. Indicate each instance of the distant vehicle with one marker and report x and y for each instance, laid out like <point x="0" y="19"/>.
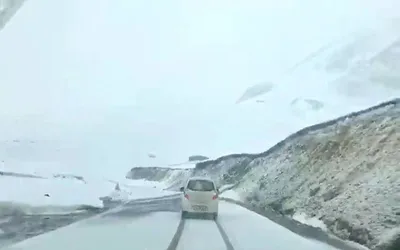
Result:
<point x="200" y="196"/>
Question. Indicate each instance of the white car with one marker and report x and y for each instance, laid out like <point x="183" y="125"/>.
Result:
<point x="200" y="196"/>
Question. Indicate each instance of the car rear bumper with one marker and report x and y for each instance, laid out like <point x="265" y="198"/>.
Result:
<point x="190" y="207"/>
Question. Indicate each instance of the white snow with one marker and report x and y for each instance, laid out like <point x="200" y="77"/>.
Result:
<point x="389" y="235"/>
<point x="176" y="176"/>
<point x="231" y="194"/>
<point x="311" y="221"/>
<point x="190" y="164"/>
<point x="225" y="187"/>
<point x="138" y="192"/>
<point x="141" y="183"/>
<point x="63" y="192"/>
<point x="137" y="189"/>
<point x="248" y="230"/>
<point x="28" y="195"/>
<point x="353" y="73"/>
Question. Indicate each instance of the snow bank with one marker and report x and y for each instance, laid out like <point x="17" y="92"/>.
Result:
<point x="183" y="165"/>
<point x="27" y="195"/>
<point x="34" y="195"/>
<point x="138" y="189"/>
<point x="171" y="178"/>
<point x="230" y="194"/>
<point x="129" y="183"/>
<point x="16" y="208"/>
<point x="311" y="221"/>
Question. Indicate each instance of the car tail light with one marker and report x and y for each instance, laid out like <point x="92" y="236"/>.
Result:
<point x="215" y="196"/>
<point x="187" y="196"/>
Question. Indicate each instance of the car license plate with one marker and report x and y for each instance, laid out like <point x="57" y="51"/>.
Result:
<point x="200" y="208"/>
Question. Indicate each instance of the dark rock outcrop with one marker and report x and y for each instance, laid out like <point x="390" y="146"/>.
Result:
<point x="198" y="158"/>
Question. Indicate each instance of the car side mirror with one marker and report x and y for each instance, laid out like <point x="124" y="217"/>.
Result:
<point x="182" y="189"/>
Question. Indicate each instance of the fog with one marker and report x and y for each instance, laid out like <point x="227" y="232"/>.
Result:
<point x="114" y="80"/>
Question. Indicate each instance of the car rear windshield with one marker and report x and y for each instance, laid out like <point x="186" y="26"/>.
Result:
<point x="200" y="185"/>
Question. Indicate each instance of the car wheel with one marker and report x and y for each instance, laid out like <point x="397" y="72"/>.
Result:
<point x="215" y="216"/>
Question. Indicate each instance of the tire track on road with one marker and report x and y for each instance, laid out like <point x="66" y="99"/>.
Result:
<point x="18" y="226"/>
<point x="179" y="231"/>
<point x="177" y="236"/>
<point x="225" y="237"/>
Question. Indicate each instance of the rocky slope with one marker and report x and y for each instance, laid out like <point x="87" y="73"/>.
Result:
<point x="345" y="172"/>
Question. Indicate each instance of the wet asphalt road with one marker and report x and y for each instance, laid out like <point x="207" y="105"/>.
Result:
<point x="17" y="227"/>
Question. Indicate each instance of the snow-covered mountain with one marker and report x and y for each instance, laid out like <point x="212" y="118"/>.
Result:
<point x="94" y="95"/>
<point x="359" y="69"/>
<point x="107" y="97"/>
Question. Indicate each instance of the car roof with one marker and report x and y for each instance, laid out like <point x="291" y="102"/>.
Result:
<point x="201" y="178"/>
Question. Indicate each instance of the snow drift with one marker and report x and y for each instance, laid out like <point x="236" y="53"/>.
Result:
<point x="344" y="172"/>
<point x="23" y="194"/>
<point x="67" y="193"/>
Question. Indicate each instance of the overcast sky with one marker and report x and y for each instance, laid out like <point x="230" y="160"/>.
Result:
<point x="155" y="72"/>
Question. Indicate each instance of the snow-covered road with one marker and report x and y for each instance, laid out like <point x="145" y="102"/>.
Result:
<point x="248" y="230"/>
<point x="200" y="234"/>
<point x="156" y="224"/>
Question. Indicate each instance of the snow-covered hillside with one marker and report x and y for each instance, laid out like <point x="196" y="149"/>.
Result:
<point x="344" y="172"/>
<point x="359" y="69"/>
<point x="172" y="175"/>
